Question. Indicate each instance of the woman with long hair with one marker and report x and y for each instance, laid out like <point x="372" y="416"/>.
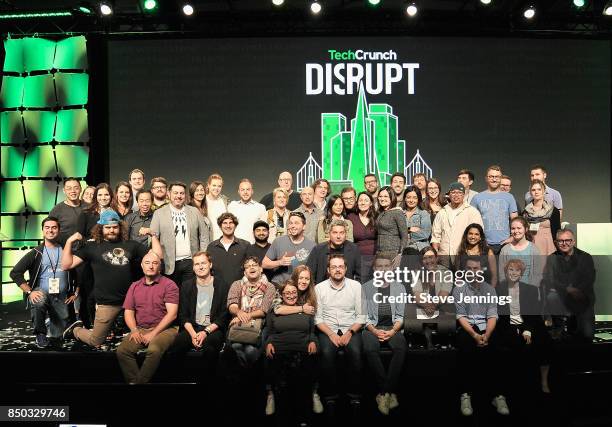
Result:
<point x="102" y="199"/>
<point x="544" y="219"/>
<point x="435" y="200"/>
<point x="521" y="247"/>
<point x="392" y="233"/>
<point x="474" y="243"/>
<point x="364" y="232"/>
<point x="197" y="197"/>
<point x="333" y="211"/>
<point x="87" y="197"/>
<point x="417" y="220"/>
<point x="123" y="200"/>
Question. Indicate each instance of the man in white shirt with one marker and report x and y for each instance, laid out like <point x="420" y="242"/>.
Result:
<point x="339" y="318"/>
<point x="247" y="210"/>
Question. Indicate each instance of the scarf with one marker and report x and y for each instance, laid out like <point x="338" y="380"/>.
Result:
<point x="251" y="296"/>
<point x="532" y="216"/>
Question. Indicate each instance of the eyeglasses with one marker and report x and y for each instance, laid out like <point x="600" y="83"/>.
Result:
<point x="158" y="187"/>
<point x="565" y="241"/>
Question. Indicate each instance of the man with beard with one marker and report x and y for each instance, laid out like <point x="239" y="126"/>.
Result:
<point x="259" y="249"/>
<point x="398" y="184"/>
<point x="311" y="213"/>
<point x="349" y="198"/>
<point x="228" y="252"/>
<point x="287" y="252"/>
<point x="111" y="256"/>
<point x="159" y="189"/>
<point x="49" y="290"/>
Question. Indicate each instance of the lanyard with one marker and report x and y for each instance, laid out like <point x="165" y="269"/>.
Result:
<point x="53" y="269"/>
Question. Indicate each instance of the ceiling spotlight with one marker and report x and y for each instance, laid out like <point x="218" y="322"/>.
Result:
<point x="608" y="9"/>
<point x="529" y="13"/>
<point x="278" y="2"/>
<point x="579" y="3"/>
<point x="374" y="2"/>
<point x="315" y="7"/>
<point x="105" y="9"/>
<point x="188" y="9"/>
<point x="412" y="10"/>
<point x="485" y="2"/>
<point x="150" y="4"/>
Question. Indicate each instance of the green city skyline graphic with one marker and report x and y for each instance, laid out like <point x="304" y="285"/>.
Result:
<point x="371" y="145"/>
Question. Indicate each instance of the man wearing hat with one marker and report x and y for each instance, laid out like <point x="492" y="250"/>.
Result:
<point x="259" y="249"/>
<point x="451" y="222"/>
<point x="111" y="257"/>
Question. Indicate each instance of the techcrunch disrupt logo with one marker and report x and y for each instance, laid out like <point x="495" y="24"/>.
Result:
<point x="344" y="78"/>
<point x="360" y="55"/>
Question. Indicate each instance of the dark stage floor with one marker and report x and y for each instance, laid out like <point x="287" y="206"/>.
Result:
<point x="90" y="383"/>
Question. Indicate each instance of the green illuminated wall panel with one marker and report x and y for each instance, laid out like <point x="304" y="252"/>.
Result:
<point x="71" y="88"/>
<point x="13" y="60"/>
<point x="11" y="161"/>
<point x="11" y="94"/>
<point x="39" y="161"/>
<point x="72" y="126"/>
<point x="73" y="160"/>
<point x="71" y="53"/>
<point x="38" y="54"/>
<point x="11" y="196"/>
<point x="11" y="128"/>
<point x="40" y="195"/>
<point x="26" y="129"/>
<point x="39" y="125"/>
<point x="39" y="92"/>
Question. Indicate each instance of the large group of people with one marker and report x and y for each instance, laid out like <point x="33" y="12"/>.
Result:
<point x="292" y="279"/>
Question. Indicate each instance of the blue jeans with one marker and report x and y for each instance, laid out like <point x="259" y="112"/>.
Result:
<point x="54" y="306"/>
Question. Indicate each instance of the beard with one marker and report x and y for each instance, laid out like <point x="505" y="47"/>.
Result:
<point x="262" y="241"/>
<point x="112" y="237"/>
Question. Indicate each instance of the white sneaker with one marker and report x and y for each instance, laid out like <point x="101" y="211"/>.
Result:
<point x="383" y="403"/>
<point x="466" y="405"/>
<point x="270" y="408"/>
<point x="317" y="406"/>
<point x="393" y="402"/>
<point x="500" y="404"/>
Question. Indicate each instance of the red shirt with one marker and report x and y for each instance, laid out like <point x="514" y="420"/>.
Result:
<point x="149" y="301"/>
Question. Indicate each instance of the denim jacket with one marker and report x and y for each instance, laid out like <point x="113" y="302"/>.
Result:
<point x="420" y="219"/>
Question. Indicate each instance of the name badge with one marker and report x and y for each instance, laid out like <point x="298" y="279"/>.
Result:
<point x="534" y="226"/>
<point x="54" y="285"/>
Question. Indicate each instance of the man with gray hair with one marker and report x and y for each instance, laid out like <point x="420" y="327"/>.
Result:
<point x="567" y="282"/>
<point x="318" y="259"/>
<point x="285" y="181"/>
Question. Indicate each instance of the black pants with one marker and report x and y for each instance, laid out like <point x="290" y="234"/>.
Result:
<point x="209" y="351"/>
<point x="385" y="382"/>
<point x="183" y="271"/>
<point x="293" y="374"/>
<point x="352" y="360"/>
<point x="479" y="367"/>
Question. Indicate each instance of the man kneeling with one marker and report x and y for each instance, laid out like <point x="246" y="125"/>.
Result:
<point x="151" y="306"/>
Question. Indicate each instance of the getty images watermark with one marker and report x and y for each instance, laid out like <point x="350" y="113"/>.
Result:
<point x="410" y="277"/>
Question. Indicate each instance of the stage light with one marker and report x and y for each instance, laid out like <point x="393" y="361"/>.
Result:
<point x="579" y="3"/>
<point x="315" y="7"/>
<point x="374" y="2"/>
<point x="105" y="9"/>
<point x="36" y="15"/>
<point x="278" y="2"/>
<point x="412" y="10"/>
<point x="485" y="2"/>
<point x="85" y="8"/>
<point x="150" y="4"/>
<point x="188" y="9"/>
<point x="608" y="9"/>
<point x="529" y="13"/>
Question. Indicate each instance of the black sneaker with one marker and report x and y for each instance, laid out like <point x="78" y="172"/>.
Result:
<point x="68" y="332"/>
<point x="42" y="341"/>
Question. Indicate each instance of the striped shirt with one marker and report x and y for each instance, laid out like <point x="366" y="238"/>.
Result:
<point x="476" y="313"/>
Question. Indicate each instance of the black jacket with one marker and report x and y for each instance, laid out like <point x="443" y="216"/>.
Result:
<point x="31" y="262"/>
<point x="530" y="306"/>
<point x="189" y="298"/>
<point x="228" y="264"/>
<point x="317" y="260"/>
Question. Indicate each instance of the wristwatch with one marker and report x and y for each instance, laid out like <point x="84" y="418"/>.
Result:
<point x="29" y="292"/>
<point x="207" y="330"/>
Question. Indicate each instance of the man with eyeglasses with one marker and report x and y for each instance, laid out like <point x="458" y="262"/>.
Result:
<point x="370" y="182"/>
<point x="349" y="198"/>
<point x="311" y="213"/>
<point x="151" y="307"/>
<point x="287" y="252"/>
<point x="339" y="319"/>
<point x="497" y="208"/>
<point x="285" y="181"/>
<point x="568" y="281"/>
<point x="505" y="184"/>
<point x="159" y="188"/>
